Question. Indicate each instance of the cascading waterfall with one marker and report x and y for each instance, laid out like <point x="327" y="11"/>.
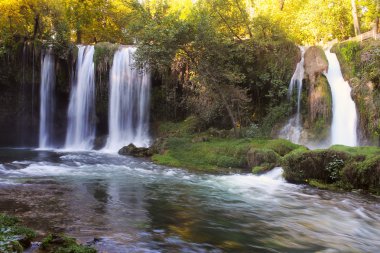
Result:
<point x="344" y="122"/>
<point x="128" y="102"/>
<point x="292" y="130"/>
<point x="81" y="112"/>
<point x="47" y="103"/>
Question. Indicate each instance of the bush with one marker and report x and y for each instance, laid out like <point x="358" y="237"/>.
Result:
<point x="349" y="50"/>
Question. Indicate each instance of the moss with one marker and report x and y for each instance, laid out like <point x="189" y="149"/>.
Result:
<point x="177" y="147"/>
<point x="360" y="66"/>
<point x="339" y="167"/>
<point x="63" y="244"/>
<point x="13" y="237"/>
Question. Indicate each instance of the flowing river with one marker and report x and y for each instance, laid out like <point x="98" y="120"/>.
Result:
<point x="121" y="204"/>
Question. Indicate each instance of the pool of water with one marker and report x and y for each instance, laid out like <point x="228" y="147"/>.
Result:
<point x="132" y="205"/>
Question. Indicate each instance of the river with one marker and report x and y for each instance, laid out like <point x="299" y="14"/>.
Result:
<point x="122" y="204"/>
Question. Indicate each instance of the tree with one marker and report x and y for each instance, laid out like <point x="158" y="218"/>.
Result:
<point x="355" y="17"/>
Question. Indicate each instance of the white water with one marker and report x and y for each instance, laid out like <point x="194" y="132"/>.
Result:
<point x="81" y="112"/>
<point x="344" y="123"/>
<point x="47" y="100"/>
<point x="293" y="129"/>
<point x="128" y="103"/>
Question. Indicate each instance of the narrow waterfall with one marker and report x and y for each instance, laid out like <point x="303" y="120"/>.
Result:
<point x="81" y="112"/>
<point x="292" y="130"/>
<point x="128" y="102"/>
<point x="47" y="103"/>
<point x="344" y="122"/>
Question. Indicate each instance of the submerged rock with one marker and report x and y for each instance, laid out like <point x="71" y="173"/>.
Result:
<point x="132" y="150"/>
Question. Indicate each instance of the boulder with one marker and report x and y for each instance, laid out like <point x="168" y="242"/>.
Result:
<point x="132" y="150"/>
<point x="265" y="158"/>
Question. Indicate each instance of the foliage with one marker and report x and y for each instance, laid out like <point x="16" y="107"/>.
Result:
<point x="334" y="167"/>
<point x="63" y="244"/>
<point x="360" y="64"/>
<point x="13" y="237"/>
<point x="214" y="149"/>
<point x="339" y="167"/>
<point x="350" y="50"/>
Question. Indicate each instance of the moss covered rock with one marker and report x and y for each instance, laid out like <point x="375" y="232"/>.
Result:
<point x="339" y="167"/>
<point x="13" y="237"/>
<point x="63" y="244"/>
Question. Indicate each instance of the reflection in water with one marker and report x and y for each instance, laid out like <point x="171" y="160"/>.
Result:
<point x="135" y="206"/>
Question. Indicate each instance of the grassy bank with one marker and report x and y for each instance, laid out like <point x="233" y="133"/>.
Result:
<point x="180" y="145"/>
<point x="337" y="168"/>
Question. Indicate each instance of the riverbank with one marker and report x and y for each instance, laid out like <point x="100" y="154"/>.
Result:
<point x="337" y="168"/>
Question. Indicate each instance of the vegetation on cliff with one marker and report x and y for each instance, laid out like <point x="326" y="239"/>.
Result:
<point x="318" y="115"/>
<point x="361" y="67"/>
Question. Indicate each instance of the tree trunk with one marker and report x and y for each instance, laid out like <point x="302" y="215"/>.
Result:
<point x="377" y="16"/>
<point x="355" y="17"/>
<point x="281" y="3"/>
<point x="229" y="111"/>
<point x="36" y="25"/>
<point x="79" y="36"/>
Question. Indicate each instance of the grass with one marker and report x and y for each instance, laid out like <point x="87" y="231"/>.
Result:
<point x="205" y="151"/>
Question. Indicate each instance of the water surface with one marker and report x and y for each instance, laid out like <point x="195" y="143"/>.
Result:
<point x="132" y="205"/>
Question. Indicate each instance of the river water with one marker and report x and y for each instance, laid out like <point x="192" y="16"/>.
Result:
<point x="132" y="205"/>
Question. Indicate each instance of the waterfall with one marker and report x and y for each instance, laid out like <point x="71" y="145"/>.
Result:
<point x="47" y="103"/>
<point x="292" y="130"/>
<point x="128" y="102"/>
<point x="344" y="122"/>
<point x="81" y="112"/>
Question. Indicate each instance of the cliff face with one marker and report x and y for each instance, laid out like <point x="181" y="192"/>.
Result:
<point x="360" y="64"/>
<point x="319" y="102"/>
<point x="20" y="76"/>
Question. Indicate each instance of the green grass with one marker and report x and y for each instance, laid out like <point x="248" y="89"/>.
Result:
<point x="214" y="153"/>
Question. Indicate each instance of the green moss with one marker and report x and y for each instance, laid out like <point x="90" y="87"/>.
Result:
<point x="63" y="244"/>
<point x="13" y="237"/>
<point x="338" y="167"/>
<point x="205" y="151"/>
<point x="360" y="65"/>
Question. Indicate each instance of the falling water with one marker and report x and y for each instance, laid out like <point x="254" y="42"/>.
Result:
<point x="81" y="112"/>
<point x="292" y="130"/>
<point x="129" y="102"/>
<point x="47" y="100"/>
<point x="344" y="123"/>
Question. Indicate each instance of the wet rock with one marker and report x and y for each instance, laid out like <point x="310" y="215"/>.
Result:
<point x="132" y="150"/>
<point x="100" y="142"/>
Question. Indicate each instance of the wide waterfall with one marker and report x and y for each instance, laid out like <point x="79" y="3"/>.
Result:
<point x="344" y="122"/>
<point x="129" y="102"/>
<point x="81" y="112"/>
<point x="47" y="103"/>
<point x="292" y="130"/>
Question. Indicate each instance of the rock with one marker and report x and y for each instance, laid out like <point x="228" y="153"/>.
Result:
<point x="132" y="150"/>
<point x="100" y="142"/>
<point x="200" y="139"/>
<point x="266" y="158"/>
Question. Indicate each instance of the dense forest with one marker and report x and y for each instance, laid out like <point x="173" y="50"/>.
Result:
<point x="234" y="57"/>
